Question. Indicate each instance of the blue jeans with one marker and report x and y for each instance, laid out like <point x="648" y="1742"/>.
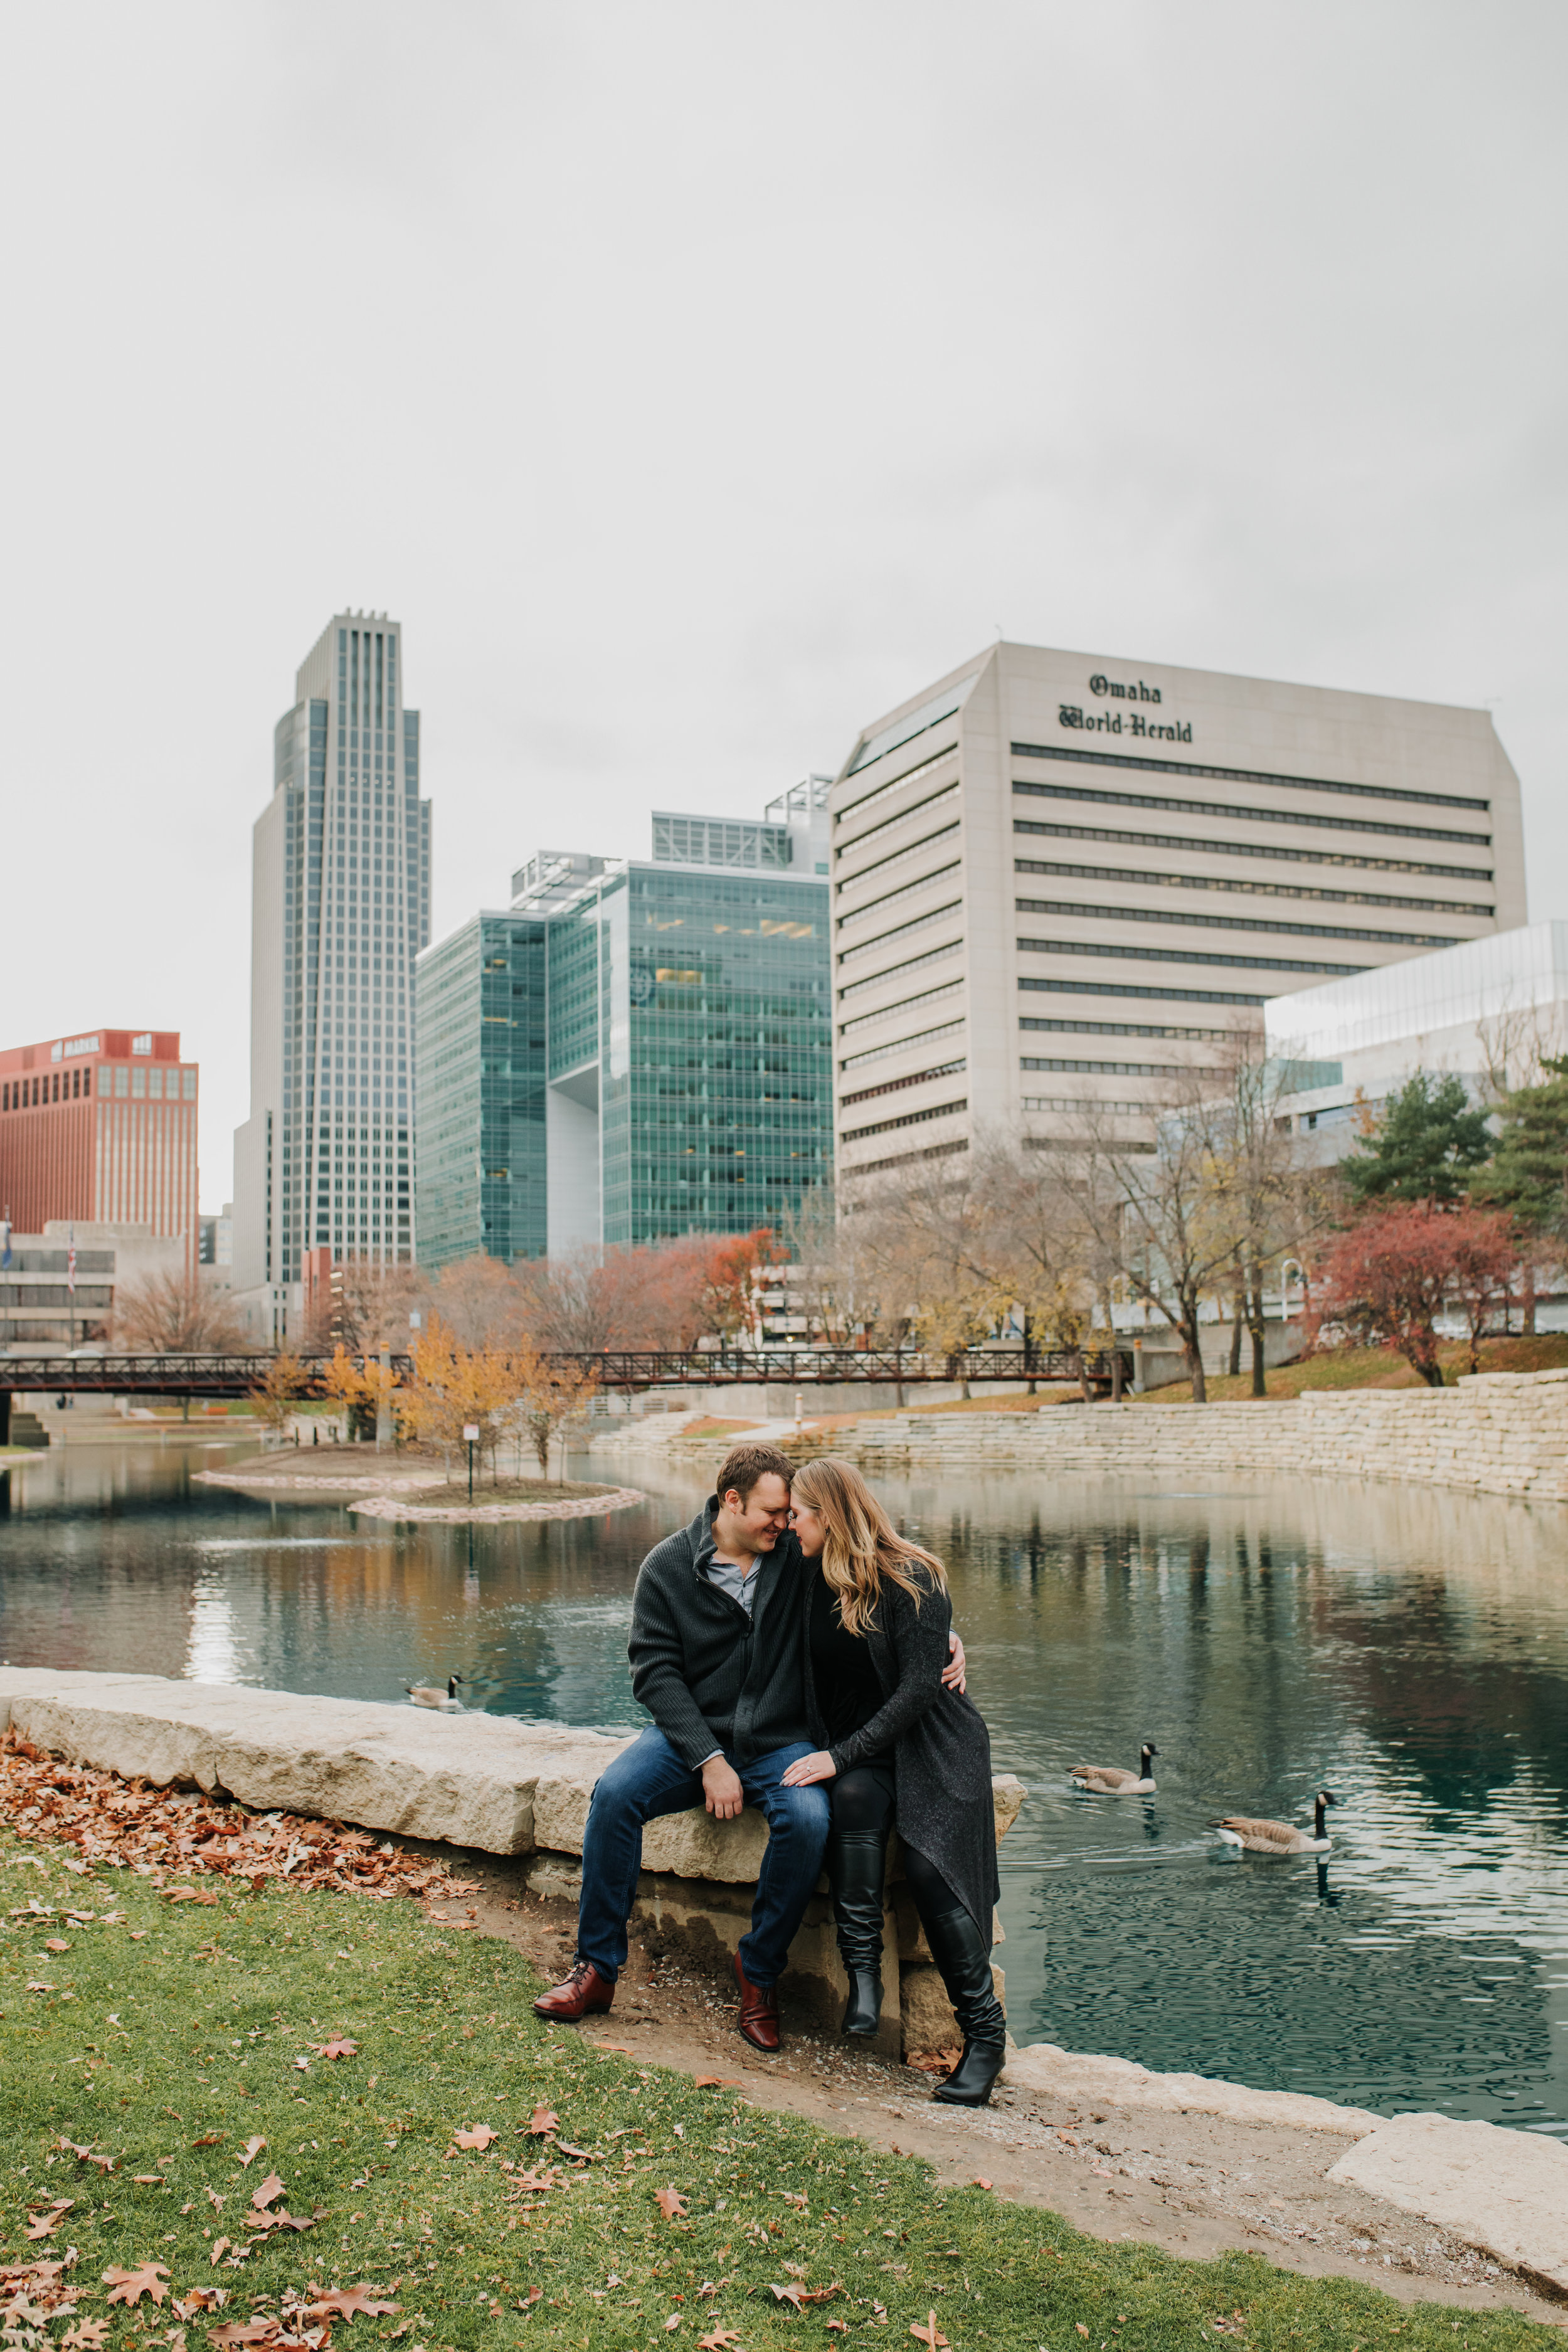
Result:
<point x="648" y="1779"/>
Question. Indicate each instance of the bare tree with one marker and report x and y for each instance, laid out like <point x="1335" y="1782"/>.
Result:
<point x="1218" y="1188"/>
<point x="174" y="1313"/>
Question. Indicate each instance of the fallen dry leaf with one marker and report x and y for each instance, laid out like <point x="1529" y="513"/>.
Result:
<point x="129" y="2286"/>
<point x="200" y="2299"/>
<point x="581" y="2155"/>
<point x="717" y="2083"/>
<point x="210" y="2139"/>
<point x="56" y="1944"/>
<point x="719" y="2341"/>
<point x="672" y="2322"/>
<point x="340" y="2046"/>
<point x="347" y="2302"/>
<point x="36" y="1984"/>
<point x="44" y="2225"/>
<point x="271" y="2188"/>
<point x="187" y="1894"/>
<point x="981" y="2181"/>
<point x="214" y="2199"/>
<point x="929" y="2334"/>
<point x="87" y="2335"/>
<point x="476" y="2136"/>
<point x="253" y="2149"/>
<point x="1080" y="2327"/>
<point x="671" y="2204"/>
<point x="303" y="2064"/>
<point x="794" y="2295"/>
<point x="543" y="2120"/>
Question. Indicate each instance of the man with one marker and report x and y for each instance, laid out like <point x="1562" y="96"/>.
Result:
<point x="717" y="1653"/>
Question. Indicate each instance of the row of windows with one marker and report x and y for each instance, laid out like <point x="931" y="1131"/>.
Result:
<point x="891" y="898"/>
<point x="1169" y="808"/>
<point x="902" y="816"/>
<point x="897" y="857"/>
<point x="1291" y="852"/>
<point x="1242" y="776"/>
<point x="1109" y="1069"/>
<point x="908" y="1119"/>
<point x="922" y="1002"/>
<point x="1080" y="1028"/>
<point x="135" y="1082"/>
<point x="1207" y="922"/>
<point x="902" y="1044"/>
<point x="894" y="1086"/>
<point x="1184" y="955"/>
<point x="894" y="970"/>
<point x="900" y="931"/>
<point x="1246" y="888"/>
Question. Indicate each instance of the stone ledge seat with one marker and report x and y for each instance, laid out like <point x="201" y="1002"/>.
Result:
<point x="477" y="1781"/>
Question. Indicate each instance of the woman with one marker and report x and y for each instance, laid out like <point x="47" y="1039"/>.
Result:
<point x="901" y="1752"/>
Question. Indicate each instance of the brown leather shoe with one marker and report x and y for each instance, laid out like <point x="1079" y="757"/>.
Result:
<point x="583" y="1993"/>
<point x="759" y="2011"/>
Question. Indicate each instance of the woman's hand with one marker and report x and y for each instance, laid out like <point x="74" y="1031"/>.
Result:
<point x="806" y="1769"/>
<point x="954" y="1676"/>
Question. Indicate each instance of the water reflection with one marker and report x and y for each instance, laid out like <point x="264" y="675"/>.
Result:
<point x="1408" y="1649"/>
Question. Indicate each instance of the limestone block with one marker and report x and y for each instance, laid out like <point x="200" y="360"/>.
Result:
<point x="694" y="1845"/>
<point x="1504" y="2191"/>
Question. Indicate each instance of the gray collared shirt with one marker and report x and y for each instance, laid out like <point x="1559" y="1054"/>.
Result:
<point x="726" y="1574"/>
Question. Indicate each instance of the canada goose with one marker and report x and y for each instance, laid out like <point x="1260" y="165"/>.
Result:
<point x="1109" y="1781"/>
<point x="1280" y="1837"/>
<point x="447" y="1701"/>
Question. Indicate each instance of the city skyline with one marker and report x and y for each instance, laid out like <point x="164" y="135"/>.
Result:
<point x="543" y="413"/>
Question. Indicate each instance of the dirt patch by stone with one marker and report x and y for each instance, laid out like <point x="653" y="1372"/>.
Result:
<point x="1196" y="2185"/>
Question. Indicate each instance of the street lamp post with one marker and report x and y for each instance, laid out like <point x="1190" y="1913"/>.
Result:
<point x="472" y="1432"/>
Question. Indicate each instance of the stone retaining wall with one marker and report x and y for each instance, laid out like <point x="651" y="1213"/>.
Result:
<point x="477" y="1781"/>
<point x="1499" y="1433"/>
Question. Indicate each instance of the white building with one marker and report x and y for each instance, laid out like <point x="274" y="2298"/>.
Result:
<point x="1056" y="876"/>
<point x="1486" y="1011"/>
<point x="341" y="906"/>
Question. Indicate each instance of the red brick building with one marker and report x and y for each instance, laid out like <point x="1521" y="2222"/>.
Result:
<point x="100" y="1128"/>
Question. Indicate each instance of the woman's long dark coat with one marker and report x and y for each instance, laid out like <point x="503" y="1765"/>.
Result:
<point x="937" y="1738"/>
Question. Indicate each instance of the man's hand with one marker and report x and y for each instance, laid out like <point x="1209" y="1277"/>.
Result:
<point x="806" y="1769"/>
<point x="721" y="1790"/>
<point x="952" y="1673"/>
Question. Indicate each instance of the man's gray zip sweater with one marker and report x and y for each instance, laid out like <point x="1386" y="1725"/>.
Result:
<point x="711" y="1675"/>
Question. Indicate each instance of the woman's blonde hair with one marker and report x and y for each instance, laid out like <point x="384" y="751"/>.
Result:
<point x="861" y="1544"/>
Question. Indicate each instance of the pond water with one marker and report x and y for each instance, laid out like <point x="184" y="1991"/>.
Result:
<point x="1408" y="1649"/>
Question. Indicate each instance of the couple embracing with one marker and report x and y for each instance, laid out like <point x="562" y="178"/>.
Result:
<point x="796" y="1654"/>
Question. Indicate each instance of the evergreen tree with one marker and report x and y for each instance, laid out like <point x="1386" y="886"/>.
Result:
<point x="1529" y="1170"/>
<point x="1423" y="1147"/>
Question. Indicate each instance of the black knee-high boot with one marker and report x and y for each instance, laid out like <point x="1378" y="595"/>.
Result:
<point x="856" y="1865"/>
<point x="963" y="1955"/>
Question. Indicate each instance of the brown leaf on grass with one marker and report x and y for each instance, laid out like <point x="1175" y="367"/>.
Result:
<point x="271" y="2188"/>
<point x="929" y="2335"/>
<point x="210" y="2139"/>
<point x="219" y="2251"/>
<point x="187" y="1894"/>
<point x="542" y="2121"/>
<point x="719" y="2341"/>
<point x="200" y="2299"/>
<point x="717" y="2083"/>
<point x="129" y="2286"/>
<point x="836" y="2327"/>
<point x="579" y="2155"/>
<point x="792" y="2196"/>
<point x="87" y="2335"/>
<point x="1080" y="2327"/>
<point x="56" y="1944"/>
<point x="794" y="2293"/>
<point x="44" y="2225"/>
<point x="214" y="2199"/>
<point x="476" y="2136"/>
<point x="87" y="2156"/>
<point x="264" y="2223"/>
<point x="534" y="2184"/>
<point x="252" y="2149"/>
<point x="340" y="2046"/>
<point x="347" y="2302"/>
<point x="240" y="2331"/>
<point x="671" y="2204"/>
<point x="981" y="2181"/>
<point x="672" y="2322"/>
<point x="821" y="2293"/>
<point x="36" y="1984"/>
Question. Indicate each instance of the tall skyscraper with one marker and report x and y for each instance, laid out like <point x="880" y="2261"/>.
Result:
<point x="340" y="908"/>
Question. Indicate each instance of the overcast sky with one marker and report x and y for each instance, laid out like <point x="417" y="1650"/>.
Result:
<point x="694" y="382"/>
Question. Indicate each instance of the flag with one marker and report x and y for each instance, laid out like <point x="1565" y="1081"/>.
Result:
<point x="70" y="1263"/>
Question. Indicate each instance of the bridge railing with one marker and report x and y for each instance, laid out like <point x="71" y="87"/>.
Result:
<point x="615" y="1368"/>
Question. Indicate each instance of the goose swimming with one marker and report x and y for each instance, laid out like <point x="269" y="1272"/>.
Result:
<point x="1109" y="1780"/>
<point x="447" y="1701"/>
<point x="1280" y="1837"/>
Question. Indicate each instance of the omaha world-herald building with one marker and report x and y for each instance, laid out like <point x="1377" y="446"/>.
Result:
<point x="1056" y="877"/>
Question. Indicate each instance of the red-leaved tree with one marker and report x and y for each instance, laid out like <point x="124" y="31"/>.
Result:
<point x="1387" y="1277"/>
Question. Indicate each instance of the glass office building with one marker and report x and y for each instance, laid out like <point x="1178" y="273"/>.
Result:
<point x="637" y="1049"/>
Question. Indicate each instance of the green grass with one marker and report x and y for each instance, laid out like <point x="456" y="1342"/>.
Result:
<point x="179" y="2025"/>
<point x="1376" y="1368"/>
